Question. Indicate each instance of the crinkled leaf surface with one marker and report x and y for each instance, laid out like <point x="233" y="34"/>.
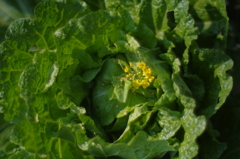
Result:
<point x="69" y="80"/>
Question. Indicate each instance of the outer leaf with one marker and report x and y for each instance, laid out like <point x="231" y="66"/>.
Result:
<point x="135" y="149"/>
<point x="210" y="147"/>
<point x="169" y="121"/>
<point x="218" y="85"/>
<point x="192" y="124"/>
<point x="211" y="19"/>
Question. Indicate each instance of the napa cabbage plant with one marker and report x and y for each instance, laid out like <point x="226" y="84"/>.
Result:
<point x="133" y="79"/>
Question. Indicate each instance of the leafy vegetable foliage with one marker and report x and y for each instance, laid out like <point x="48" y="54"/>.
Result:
<point x="127" y="79"/>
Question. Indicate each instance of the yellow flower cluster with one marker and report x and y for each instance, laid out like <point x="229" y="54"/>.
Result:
<point x="142" y="78"/>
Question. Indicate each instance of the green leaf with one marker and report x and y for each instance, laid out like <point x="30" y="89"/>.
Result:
<point x="139" y="147"/>
<point x="121" y="93"/>
<point x="192" y="124"/>
<point x="169" y="121"/>
<point x="210" y="147"/>
<point x="68" y="80"/>
<point x="219" y="85"/>
<point x="23" y="154"/>
<point x="212" y="22"/>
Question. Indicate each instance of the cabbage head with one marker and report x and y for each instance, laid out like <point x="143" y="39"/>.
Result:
<point x="130" y="79"/>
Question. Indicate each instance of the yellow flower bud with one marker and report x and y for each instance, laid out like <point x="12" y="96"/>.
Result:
<point x="128" y="75"/>
<point x="136" y="84"/>
<point x="151" y="79"/>
<point x="147" y="76"/>
<point x="145" y="84"/>
<point x="126" y="69"/>
<point x="142" y="65"/>
<point x="131" y="64"/>
<point x="149" y="71"/>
